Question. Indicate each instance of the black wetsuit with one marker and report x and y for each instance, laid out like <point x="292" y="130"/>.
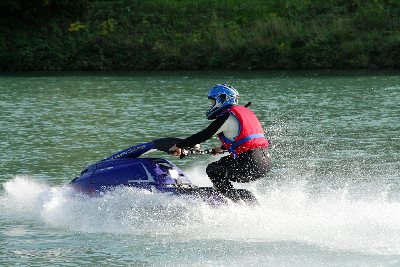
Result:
<point x="247" y="166"/>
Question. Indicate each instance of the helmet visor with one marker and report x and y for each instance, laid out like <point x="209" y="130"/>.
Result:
<point x="212" y="101"/>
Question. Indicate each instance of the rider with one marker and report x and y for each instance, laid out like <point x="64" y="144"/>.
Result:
<point x="240" y="132"/>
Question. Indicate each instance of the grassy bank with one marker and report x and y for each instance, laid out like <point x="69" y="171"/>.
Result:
<point x="204" y="34"/>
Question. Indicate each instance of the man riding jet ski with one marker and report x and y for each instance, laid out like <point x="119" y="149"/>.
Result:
<point x="240" y="132"/>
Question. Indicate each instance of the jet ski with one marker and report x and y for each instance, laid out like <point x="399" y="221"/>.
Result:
<point x="130" y="168"/>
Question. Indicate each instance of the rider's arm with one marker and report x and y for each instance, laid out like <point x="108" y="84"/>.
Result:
<point x="205" y="134"/>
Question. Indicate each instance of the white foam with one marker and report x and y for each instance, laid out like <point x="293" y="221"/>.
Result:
<point x="287" y="212"/>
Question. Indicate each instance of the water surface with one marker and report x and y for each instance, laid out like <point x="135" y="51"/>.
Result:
<point x="332" y="198"/>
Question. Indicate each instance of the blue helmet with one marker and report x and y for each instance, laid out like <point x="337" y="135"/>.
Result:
<point x="224" y="96"/>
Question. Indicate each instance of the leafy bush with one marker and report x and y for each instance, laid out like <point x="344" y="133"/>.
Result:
<point x="203" y="34"/>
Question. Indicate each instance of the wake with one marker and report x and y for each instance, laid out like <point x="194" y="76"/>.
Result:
<point x="289" y="211"/>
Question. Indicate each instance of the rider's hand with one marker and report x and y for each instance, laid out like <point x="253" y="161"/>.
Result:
<point x="176" y="151"/>
<point x="217" y="150"/>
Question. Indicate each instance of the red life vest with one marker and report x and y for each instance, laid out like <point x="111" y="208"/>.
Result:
<point x="251" y="133"/>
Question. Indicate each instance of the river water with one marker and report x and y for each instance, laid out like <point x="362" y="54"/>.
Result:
<point x="331" y="199"/>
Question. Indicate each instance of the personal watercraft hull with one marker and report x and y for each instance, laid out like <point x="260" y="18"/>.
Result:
<point x="127" y="168"/>
<point x="212" y="196"/>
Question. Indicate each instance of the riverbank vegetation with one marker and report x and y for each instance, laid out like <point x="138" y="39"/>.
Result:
<point x="203" y="34"/>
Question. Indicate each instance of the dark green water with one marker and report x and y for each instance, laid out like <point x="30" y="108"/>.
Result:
<point x="333" y="197"/>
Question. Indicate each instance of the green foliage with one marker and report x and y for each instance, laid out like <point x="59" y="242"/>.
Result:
<point x="202" y="34"/>
<point x="42" y="10"/>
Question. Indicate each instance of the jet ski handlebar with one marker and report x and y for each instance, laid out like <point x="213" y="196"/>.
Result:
<point x="195" y="151"/>
<point x="164" y="144"/>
